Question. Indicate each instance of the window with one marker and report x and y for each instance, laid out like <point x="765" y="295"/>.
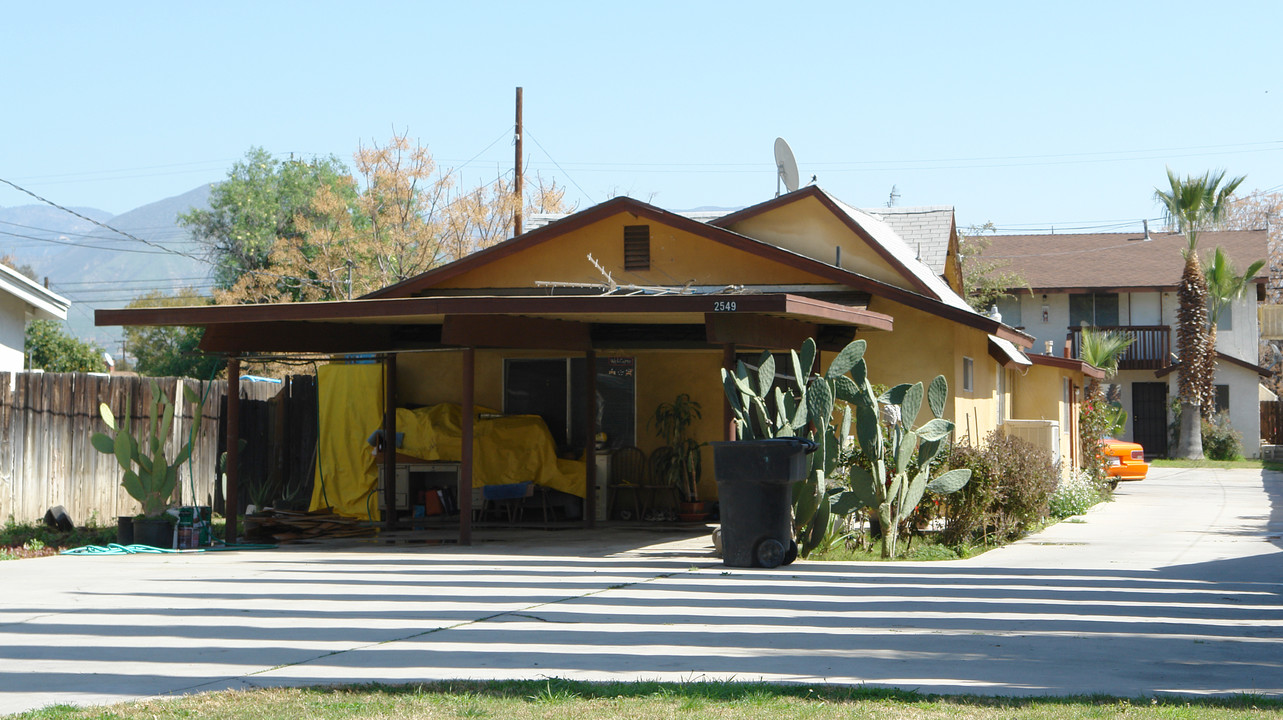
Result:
<point x="1066" y="402"/>
<point x="1222" y="398"/>
<point x="1002" y="395"/>
<point x="968" y="373"/>
<point x="636" y="247"/>
<point x="1093" y="309"/>
<point x="554" y="390"/>
<point x="1009" y="307"/>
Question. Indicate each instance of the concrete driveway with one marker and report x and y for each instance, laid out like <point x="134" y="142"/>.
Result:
<point x="1176" y="587"/>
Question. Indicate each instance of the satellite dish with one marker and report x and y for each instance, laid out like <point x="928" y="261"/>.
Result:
<point x="786" y="167"/>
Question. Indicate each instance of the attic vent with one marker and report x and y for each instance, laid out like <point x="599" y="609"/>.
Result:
<point x="636" y="247"/>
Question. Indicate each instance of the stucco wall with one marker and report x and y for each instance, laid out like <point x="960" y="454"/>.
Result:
<point x="923" y="346"/>
<point x="807" y="228"/>
<point x="13" y="322"/>
<point x="676" y="257"/>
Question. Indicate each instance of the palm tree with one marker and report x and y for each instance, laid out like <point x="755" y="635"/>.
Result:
<point x="1102" y="348"/>
<point x="1224" y="287"/>
<point x="1192" y="205"/>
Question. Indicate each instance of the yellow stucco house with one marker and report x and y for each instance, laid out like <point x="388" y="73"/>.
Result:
<point x="657" y="302"/>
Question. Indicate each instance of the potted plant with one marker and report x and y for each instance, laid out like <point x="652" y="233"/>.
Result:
<point x="148" y="476"/>
<point x="680" y="466"/>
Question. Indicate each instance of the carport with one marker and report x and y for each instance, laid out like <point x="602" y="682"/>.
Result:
<point x="580" y="324"/>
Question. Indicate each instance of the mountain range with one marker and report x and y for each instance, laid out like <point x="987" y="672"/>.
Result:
<point x="82" y="258"/>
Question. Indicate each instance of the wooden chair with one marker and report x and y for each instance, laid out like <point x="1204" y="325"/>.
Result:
<point x="628" y="473"/>
<point x="661" y="482"/>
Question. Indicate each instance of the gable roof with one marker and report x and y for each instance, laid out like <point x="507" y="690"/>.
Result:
<point x="877" y="233"/>
<point x="935" y="297"/>
<point x="1114" y="261"/>
<point x="45" y="304"/>
<point x="926" y="229"/>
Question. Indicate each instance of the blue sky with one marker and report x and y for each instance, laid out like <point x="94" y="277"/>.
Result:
<point x="1028" y="115"/>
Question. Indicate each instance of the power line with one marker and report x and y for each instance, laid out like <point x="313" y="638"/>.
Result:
<point x="554" y="162"/>
<point x="99" y="224"/>
<point x="132" y="282"/>
<point x="83" y="245"/>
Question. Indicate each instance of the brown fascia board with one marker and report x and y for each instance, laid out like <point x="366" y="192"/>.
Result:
<point x="388" y="310"/>
<point x="1262" y="371"/>
<point x="813" y="191"/>
<point x="1066" y="364"/>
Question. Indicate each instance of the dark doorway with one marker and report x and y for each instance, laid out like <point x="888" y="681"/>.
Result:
<point x="1149" y="417"/>
<point x="553" y="390"/>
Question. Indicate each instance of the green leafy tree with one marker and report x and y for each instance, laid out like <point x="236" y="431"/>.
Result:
<point x="170" y="351"/>
<point x="51" y="349"/>
<point x="262" y="201"/>
<point x="985" y="281"/>
<point x="1191" y="205"/>
<point x="293" y="231"/>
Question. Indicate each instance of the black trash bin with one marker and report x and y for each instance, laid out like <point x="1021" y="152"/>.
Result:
<point x="755" y="488"/>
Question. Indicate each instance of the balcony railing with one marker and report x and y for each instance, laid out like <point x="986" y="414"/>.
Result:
<point x="1151" y="349"/>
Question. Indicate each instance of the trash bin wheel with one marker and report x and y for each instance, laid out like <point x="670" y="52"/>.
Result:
<point x="791" y="555"/>
<point x="770" y="553"/>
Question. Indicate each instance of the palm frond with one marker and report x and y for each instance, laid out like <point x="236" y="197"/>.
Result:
<point x="1224" y="284"/>
<point x="1104" y="348"/>
<point x="1194" y="204"/>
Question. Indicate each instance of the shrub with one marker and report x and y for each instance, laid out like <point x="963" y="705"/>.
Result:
<point x="1075" y="495"/>
<point x="1220" y="440"/>
<point x="1010" y="489"/>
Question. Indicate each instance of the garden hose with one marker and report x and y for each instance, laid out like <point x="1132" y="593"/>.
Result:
<point x="114" y="549"/>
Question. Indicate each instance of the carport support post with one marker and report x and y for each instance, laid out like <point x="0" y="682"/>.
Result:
<point x="389" y="441"/>
<point x="728" y="417"/>
<point x="590" y="439"/>
<point x="465" y="456"/>
<point x="232" y="503"/>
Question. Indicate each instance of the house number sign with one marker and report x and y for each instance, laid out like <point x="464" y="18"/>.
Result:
<point x="723" y="306"/>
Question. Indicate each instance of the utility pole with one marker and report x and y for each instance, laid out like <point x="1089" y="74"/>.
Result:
<point x="516" y="216"/>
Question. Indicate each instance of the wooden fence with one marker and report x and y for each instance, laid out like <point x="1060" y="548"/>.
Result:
<point x="1272" y="422"/>
<point x="279" y="425"/>
<point x="46" y="420"/>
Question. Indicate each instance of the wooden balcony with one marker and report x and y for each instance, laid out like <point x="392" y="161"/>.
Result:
<point x="1150" y="351"/>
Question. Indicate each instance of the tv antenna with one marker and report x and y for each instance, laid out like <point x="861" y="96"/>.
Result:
<point x="785" y="167"/>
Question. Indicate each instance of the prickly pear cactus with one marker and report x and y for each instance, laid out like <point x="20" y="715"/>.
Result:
<point x="893" y="445"/>
<point x="884" y="427"/>
<point x="148" y="476"/>
<point x="765" y="409"/>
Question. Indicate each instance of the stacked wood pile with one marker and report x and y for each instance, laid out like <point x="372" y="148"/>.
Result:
<point x="285" y="526"/>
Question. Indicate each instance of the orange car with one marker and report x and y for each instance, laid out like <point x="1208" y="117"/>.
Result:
<point x="1124" y="460"/>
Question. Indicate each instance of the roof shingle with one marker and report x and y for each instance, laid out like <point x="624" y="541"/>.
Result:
<point x="925" y="229"/>
<point x="1114" y="261"/>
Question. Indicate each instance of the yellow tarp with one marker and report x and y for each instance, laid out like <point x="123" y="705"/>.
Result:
<point x="510" y="449"/>
<point x="350" y="401"/>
